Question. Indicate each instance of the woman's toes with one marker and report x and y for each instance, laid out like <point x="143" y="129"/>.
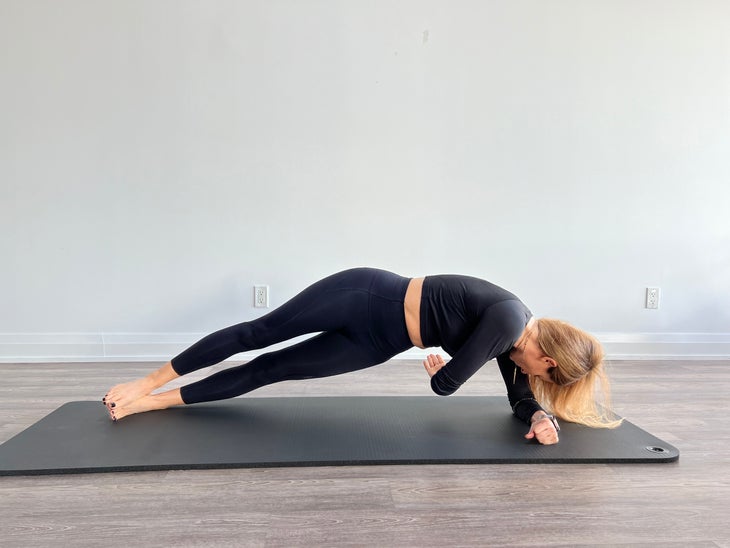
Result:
<point x="118" y="414"/>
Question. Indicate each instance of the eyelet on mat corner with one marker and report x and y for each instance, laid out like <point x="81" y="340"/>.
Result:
<point x="656" y="449"/>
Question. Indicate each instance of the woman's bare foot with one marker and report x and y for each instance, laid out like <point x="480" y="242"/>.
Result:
<point x="127" y="393"/>
<point x="154" y="402"/>
<point x="123" y="395"/>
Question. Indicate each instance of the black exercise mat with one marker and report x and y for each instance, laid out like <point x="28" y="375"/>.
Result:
<point x="244" y="432"/>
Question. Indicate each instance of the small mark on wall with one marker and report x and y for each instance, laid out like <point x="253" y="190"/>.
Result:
<point x="425" y="36"/>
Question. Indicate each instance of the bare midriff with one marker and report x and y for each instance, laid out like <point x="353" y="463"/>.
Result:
<point x="412" y="306"/>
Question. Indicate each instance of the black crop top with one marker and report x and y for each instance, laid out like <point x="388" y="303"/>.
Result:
<point x="475" y="321"/>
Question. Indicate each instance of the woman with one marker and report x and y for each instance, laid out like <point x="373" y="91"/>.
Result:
<point x="366" y="316"/>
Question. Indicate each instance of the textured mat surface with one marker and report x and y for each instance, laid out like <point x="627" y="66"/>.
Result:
<point x="78" y="437"/>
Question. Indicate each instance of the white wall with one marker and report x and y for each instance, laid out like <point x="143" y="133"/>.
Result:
<point x="158" y="158"/>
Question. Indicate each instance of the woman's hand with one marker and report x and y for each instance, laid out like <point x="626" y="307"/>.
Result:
<point x="433" y="363"/>
<point x="543" y="429"/>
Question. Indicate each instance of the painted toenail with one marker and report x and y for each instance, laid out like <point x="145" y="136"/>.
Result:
<point x="114" y="404"/>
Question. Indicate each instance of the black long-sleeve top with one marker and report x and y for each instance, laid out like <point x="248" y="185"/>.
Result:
<point x="475" y="321"/>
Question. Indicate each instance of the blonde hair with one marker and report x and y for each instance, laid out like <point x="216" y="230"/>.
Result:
<point x="579" y="380"/>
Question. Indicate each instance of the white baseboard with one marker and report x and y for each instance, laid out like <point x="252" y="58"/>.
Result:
<point x="128" y="347"/>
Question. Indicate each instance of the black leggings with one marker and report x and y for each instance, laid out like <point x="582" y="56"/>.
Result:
<point x="359" y="313"/>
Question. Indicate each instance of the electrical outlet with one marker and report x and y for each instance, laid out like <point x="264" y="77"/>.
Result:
<point x="261" y="296"/>
<point x="652" y="297"/>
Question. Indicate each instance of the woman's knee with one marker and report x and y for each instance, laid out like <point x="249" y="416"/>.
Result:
<point x="275" y="367"/>
<point x="243" y="335"/>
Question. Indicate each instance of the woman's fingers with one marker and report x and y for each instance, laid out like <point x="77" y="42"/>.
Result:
<point x="544" y="431"/>
<point x="433" y="363"/>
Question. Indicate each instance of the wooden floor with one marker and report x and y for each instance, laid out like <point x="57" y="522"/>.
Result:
<point x="685" y="504"/>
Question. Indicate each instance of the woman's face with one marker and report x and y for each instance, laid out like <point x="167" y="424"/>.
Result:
<point x="530" y="359"/>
